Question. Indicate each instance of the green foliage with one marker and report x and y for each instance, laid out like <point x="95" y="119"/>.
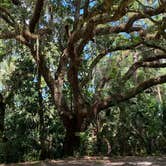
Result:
<point x="134" y="127"/>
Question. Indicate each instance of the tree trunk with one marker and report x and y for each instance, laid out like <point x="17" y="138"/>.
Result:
<point x="164" y="120"/>
<point x="42" y="136"/>
<point x="72" y="138"/>
<point x="122" y="129"/>
<point x="2" y="117"/>
<point x="71" y="143"/>
<point x="148" y="146"/>
<point x="108" y="146"/>
<point x="43" y="153"/>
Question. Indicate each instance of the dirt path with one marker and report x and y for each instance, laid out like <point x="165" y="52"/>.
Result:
<point x="89" y="161"/>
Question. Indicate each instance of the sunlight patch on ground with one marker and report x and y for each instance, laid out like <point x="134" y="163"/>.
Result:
<point x="130" y="164"/>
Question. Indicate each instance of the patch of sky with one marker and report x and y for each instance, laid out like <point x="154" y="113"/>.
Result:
<point x="92" y="3"/>
<point x="154" y="3"/>
<point x="79" y="76"/>
<point x="136" y="34"/>
<point x="91" y="89"/>
<point x="141" y="23"/>
<point x="27" y="21"/>
<point x="18" y="104"/>
<point x="67" y="65"/>
<point x="41" y="25"/>
<point x="87" y="56"/>
<point x="64" y="3"/>
<point x="44" y="93"/>
<point x="159" y="16"/>
<point x="35" y="79"/>
<point x="44" y="90"/>
<point x="115" y="23"/>
<point x="81" y="11"/>
<point x="47" y="17"/>
<point x="125" y="18"/>
<point x="109" y="55"/>
<point x="125" y="34"/>
<point x="2" y="87"/>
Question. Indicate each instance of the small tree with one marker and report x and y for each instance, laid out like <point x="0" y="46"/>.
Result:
<point x="2" y="117"/>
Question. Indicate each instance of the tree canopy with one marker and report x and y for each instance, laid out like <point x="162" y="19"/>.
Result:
<point x="86" y="56"/>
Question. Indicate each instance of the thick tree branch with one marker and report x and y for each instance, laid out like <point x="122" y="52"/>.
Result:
<point x="88" y="35"/>
<point x="143" y="14"/>
<point x="42" y="67"/>
<point x="60" y="72"/>
<point x="154" y="44"/>
<point x="77" y="9"/>
<point x="54" y="85"/>
<point x="117" y="29"/>
<point x="101" y="14"/>
<point x="86" y="6"/>
<point x="36" y="15"/>
<point x="24" y="34"/>
<point x="154" y="58"/>
<point x="151" y="62"/>
<point x="104" y="17"/>
<point x="117" y="98"/>
<point x="122" y="9"/>
<point x="8" y="35"/>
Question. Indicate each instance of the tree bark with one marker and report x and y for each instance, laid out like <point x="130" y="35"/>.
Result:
<point x="72" y="138"/>
<point x="164" y="120"/>
<point x="71" y="143"/>
<point x="122" y="135"/>
<point x="2" y="117"/>
<point x="42" y="136"/>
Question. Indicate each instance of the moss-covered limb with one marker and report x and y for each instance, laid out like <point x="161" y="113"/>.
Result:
<point x="117" y="98"/>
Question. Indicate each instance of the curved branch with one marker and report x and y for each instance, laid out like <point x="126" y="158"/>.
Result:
<point x="117" y="29"/>
<point x="144" y="14"/>
<point x="117" y="98"/>
<point x="121" y="10"/>
<point x="151" y="62"/>
<point x="153" y="44"/>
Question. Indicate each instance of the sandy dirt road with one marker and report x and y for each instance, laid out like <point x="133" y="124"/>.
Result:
<point x="89" y="161"/>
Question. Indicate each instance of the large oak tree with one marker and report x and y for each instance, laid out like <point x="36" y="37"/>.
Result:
<point x="87" y="22"/>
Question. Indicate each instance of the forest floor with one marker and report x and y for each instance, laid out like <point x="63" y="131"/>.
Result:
<point x="98" y="161"/>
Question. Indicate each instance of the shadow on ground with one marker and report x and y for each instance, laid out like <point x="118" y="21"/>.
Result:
<point x="94" y="161"/>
